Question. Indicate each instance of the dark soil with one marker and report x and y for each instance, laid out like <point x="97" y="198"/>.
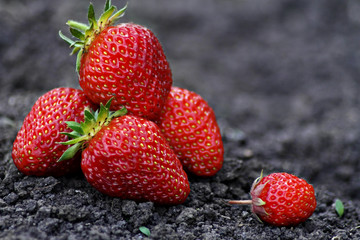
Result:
<point x="282" y="76"/>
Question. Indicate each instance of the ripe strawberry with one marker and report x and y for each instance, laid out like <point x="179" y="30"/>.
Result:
<point x="281" y="199"/>
<point x="124" y="62"/>
<point x="189" y="125"/>
<point x="126" y="156"/>
<point x="35" y="149"/>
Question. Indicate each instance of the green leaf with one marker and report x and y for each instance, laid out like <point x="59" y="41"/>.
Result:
<point x="78" y="60"/>
<point x="70" y="152"/>
<point x="77" y="45"/>
<point x="145" y="231"/>
<point x="91" y="16"/>
<point x="77" y="25"/>
<point x="106" y="15"/>
<point x="96" y="114"/>
<point x="76" y="127"/>
<point x="76" y="33"/>
<point x="103" y="114"/>
<point x="74" y="141"/>
<point x="91" y="13"/>
<point x="66" y="39"/>
<point x="119" y="113"/>
<point x="89" y="115"/>
<point x="75" y="50"/>
<point x="108" y="104"/>
<point x="118" y="14"/>
<point x="339" y="207"/>
<point x="107" y="5"/>
<point x="72" y="134"/>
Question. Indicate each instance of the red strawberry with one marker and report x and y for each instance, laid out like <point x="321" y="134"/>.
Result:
<point x="124" y="62"/>
<point x="189" y="125"/>
<point x="127" y="157"/>
<point x="35" y="150"/>
<point x="281" y="199"/>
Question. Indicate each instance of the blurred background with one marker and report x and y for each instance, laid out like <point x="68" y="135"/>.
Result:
<point x="282" y="76"/>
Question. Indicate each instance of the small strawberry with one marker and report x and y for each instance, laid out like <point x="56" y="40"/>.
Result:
<point x="189" y="125"/>
<point x="281" y="199"/>
<point x="125" y="62"/>
<point x="126" y="156"/>
<point x="35" y="149"/>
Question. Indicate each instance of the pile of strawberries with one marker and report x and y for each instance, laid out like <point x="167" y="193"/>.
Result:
<point x="131" y="132"/>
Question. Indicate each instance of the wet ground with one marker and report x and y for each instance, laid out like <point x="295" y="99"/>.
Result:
<point x="282" y="77"/>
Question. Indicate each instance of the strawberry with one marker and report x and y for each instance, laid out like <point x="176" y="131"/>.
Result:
<point x="35" y="149"/>
<point x="126" y="156"/>
<point x="125" y="62"/>
<point x="281" y="199"/>
<point x="189" y="125"/>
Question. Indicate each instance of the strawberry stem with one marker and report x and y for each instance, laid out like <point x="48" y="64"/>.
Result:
<point x="241" y="202"/>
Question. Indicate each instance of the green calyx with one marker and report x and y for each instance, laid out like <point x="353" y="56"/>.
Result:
<point x="85" y="34"/>
<point x="83" y="132"/>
